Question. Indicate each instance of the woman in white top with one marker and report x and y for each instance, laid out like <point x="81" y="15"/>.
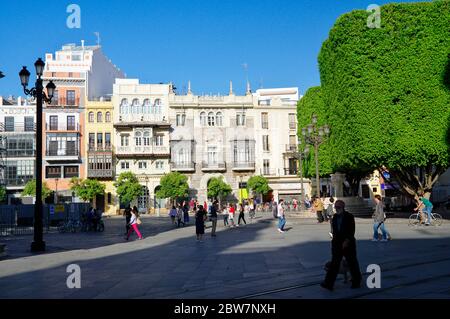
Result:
<point x="134" y="223"/>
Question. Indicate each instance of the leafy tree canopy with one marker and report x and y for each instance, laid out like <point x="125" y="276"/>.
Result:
<point x="87" y="189"/>
<point x="217" y="188"/>
<point x="387" y="94"/>
<point x="258" y="184"/>
<point x="30" y="189"/>
<point x="128" y="187"/>
<point x="173" y="185"/>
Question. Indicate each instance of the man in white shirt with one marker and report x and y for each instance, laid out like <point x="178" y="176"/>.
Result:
<point x="281" y="216"/>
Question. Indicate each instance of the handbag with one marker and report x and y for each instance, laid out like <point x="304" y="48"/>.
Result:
<point x="138" y="221"/>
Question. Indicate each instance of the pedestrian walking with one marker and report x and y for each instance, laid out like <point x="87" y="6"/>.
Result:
<point x="379" y="218"/>
<point x="318" y="208"/>
<point x="281" y="216"/>
<point x="127" y="214"/>
<point x="295" y="203"/>
<point x="180" y="216"/>
<point x="173" y="214"/>
<point x="185" y="212"/>
<point x="343" y="244"/>
<point x="134" y="221"/>
<point x="330" y="213"/>
<point x="200" y="217"/>
<point x="225" y="216"/>
<point x="213" y="214"/>
<point x="243" y="208"/>
<point x="231" y="212"/>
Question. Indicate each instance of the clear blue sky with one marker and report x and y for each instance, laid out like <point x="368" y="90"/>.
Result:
<point x="205" y="41"/>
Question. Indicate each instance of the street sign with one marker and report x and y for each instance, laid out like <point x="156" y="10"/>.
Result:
<point x="52" y="209"/>
<point x="386" y="175"/>
<point x="59" y="209"/>
<point x="243" y="185"/>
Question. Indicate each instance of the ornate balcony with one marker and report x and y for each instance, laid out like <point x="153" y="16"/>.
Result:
<point x="214" y="166"/>
<point x="182" y="167"/>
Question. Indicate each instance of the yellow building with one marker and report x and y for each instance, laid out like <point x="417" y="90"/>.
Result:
<point x="99" y="145"/>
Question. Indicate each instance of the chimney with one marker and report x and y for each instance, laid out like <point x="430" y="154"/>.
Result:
<point x="19" y="101"/>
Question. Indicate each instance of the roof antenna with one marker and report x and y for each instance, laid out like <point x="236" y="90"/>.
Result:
<point x="98" y="37"/>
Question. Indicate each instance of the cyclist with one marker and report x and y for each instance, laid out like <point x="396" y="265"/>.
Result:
<point x="427" y="206"/>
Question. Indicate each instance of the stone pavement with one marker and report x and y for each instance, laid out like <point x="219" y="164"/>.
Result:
<point x="251" y="261"/>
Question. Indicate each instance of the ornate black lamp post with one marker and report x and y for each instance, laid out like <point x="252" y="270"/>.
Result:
<point x="38" y="93"/>
<point x="315" y="136"/>
<point x="301" y="154"/>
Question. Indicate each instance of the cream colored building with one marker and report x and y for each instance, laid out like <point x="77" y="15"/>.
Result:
<point x="141" y="130"/>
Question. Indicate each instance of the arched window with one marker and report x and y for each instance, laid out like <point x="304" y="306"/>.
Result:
<point x="135" y="106"/>
<point x="91" y="117"/>
<point x="203" y="119"/>
<point x="124" y="106"/>
<point x="138" y="138"/>
<point x="108" y="117"/>
<point x="146" y="109"/>
<point x="219" y="118"/>
<point x="99" y="117"/>
<point x="146" y="138"/>
<point x="158" y="106"/>
<point x="211" y="119"/>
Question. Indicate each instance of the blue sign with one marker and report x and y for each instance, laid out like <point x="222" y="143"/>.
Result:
<point x="386" y="175"/>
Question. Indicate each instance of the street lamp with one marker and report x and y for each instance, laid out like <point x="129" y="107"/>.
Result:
<point x="38" y="92"/>
<point x="315" y="136"/>
<point x="301" y="154"/>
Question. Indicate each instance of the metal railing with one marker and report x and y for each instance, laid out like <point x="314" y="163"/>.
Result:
<point x="61" y="127"/>
<point x="18" y="127"/>
<point x="147" y="150"/>
<point x="243" y="165"/>
<point x="64" y="102"/>
<point x="182" y="166"/>
<point x="291" y="147"/>
<point x="62" y="152"/>
<point x="214" y="165"/>
<point x="18" y="181"/>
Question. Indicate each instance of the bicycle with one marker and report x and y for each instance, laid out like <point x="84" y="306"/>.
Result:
<point x="415" y="219"/>
<point x="71" y="225"/>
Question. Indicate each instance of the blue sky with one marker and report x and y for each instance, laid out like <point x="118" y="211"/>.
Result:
<point x="205" y="41"/>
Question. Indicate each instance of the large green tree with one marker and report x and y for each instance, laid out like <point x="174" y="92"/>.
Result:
<point x="87" y="189"/>
<point x="30" y="190"/>
<point x="218" y="188"/>
<point x="387" y="93"/>
<point x="258" y="185"/>
<point x="173" y="186"/>
<point x="128" y="187"/>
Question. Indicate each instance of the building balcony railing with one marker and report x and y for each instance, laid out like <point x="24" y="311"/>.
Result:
<point x="143" y="150"/>
<point x="182" y="166"/>
<point x="291" y="147"/>
<point x="213" y="166"/>
<point x="65" y="102"/>
<point x="18" y="127"/>
<point x="100" y="173"/>
<point x="268" y="172"/>
<point x="18" y="181"/>
<point x="62" y="154"/>
<point x="105" y="148"/>
<point x="21" y="153"/>
<point x="290" y="171"/>
<point x="62" y="127"/>
<point x="243" y="166"/>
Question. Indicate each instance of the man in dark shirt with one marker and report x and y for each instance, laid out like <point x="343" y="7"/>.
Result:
<point x="213" y="215"/>
<point x="343" y="245"/>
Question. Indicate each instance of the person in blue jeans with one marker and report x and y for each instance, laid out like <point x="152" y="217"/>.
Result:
<point x="281" y="216"/>
<point x="426" y="205"/>
<point x="379" y="217"/>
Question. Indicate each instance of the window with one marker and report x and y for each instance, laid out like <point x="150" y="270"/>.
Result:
<point x="125" y="165"/>
<point x="203" y="119"/>
<point x="182" y="157"/>
<point x="124" y="106"/>
<point x="71" y="123"/>
<point x="159" y="140"/>
<point x="244" y="151"/>
<point x="211" y="119"/>
<point x="70" y="73"/>
<point x="29" y="124"/>
<point x="99" y="117"/>
<point x="146" y="138"/>
<point x="159" y="164"/>
<point x="91" y="117"/>
<point x="70" y="171"/>
<point x="240" y="119"/>
<point x="108" y="141"/>
<point x="265" y="120"/>
<point x="181" y="119"/>
<point x="146" y="108"/>
<point x="265" y="143"/>
<point x="9" y="124"/>
<point x="108" y="117"/>
<point x="135" y="107"/>
<point x="124" y="140"/>
<point x="266" y="167"/>
<point x="53" y="122"/>
<point x="99" y="140"/>
<point x="70" y="97"/>
<point x="138" y="138"/>
<point x="53" y="172"/>
<point x="91" y="141"/>
<point x="109" y="198"/>
<point x="219" y="119"/>
<point x="212" y="155"/>
<point x="55" y="98"/>
<point x="292" y="121"/>
<point x="292" y="142"/>
<point x="142" y="165"/>
<point x="158" y="106"/>
<point x="71" y="148"/>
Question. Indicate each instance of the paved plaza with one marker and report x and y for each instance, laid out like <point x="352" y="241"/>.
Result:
<point x="251" y="261"/>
